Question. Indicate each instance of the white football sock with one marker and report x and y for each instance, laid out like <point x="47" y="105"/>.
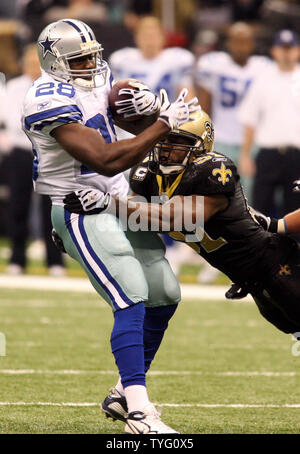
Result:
<point x="119" y="387"/>
<point x="136" y="397"/>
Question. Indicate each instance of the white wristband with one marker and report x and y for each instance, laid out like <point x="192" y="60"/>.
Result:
<point x="281" y="227"/>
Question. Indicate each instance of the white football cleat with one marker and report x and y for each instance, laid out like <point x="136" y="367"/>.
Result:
<point x="147" y="422"/>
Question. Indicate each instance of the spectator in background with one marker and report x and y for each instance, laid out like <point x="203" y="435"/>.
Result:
<point x="21" y="173"/>
<point x="205" y="41"/>
<point x="281" y="14"/>
<point x="85" y="10"/>
<point x="95" y="13"/>
<point x="213" y="14"/>
<point x="270" y="114"/>
<point x="31" y="12"/>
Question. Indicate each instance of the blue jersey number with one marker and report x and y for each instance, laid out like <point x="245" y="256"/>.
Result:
<point x="164" y="82"/>
<point x="232" y="90"/>
<point x="98" y="122"/>
<point x="62" y="89"/>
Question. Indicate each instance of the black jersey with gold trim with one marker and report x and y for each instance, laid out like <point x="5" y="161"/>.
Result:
<point x="232" y="240"/>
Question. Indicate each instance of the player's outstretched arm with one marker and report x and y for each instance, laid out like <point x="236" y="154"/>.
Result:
<point x="173" y="215"/>
<point x="170" y="216"/>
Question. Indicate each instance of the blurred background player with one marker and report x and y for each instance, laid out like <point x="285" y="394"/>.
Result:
<point x="150" y="62"/>
<point x="222" y="80"/>
<point x="270" y="114"/>
<point x="158" y="67"/>
<point x="20" y="174"/>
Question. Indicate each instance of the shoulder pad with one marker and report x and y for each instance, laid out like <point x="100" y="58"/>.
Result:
<point x="214" y="173"/>
<point x="139" y="178"/>
<point x="183" y="56"/>
<point x="50" y="102"/>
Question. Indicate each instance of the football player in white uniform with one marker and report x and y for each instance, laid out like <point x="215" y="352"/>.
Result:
<point x="169" y="68"/>
<point x="68" y="120"/>
<point x="223" y="79"/>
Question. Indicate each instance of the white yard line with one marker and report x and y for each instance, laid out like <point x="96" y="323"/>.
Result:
<point x="82" y="285"/>
<point x="195" y="405"/>
<point x="154" y="372"/>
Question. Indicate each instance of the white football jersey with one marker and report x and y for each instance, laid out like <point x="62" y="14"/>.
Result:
<point x="228" y="83"/>
<point x="49" y="104"/>
<point x="171" y="69"/>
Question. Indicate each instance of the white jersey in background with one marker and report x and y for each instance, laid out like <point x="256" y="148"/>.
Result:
<point x="49" y="104"/>
<point x="170" y="69"/>
<point x="15" y="91"/>
<point x="228" y="83"/>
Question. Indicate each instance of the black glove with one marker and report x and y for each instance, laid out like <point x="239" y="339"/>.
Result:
<point x="87" y="201"/>
<point x="237" y="292"/>
<point x="296" y="186"/>
<point x="269" y="224"/>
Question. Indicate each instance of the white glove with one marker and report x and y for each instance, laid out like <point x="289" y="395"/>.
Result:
<point x="87" y="201"/>
<point x="179" y="111"/>
<point x="142" y="101"/>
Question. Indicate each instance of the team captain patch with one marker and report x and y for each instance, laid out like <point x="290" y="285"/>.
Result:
<point x="140" y="173"/>
<point x="224" y="173"/>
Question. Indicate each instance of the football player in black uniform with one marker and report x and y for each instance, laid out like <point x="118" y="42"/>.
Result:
<point x="264" y="264"/>
<point x="184" y="167"/>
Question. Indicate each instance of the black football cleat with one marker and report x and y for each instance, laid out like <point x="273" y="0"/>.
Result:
<point x="115" y="406"/>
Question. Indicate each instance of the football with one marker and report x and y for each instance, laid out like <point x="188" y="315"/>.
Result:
<point x="136" y="123"/>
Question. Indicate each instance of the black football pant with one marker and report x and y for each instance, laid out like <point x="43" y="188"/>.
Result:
<point x="20" y="183"/>
<point x="278" y="300"/>
<point x="275" y="168"/>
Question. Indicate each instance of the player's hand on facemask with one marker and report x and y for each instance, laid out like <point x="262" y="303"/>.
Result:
<point x="87" y="201"/>
<point x="142" y="101"/>
<point x="176" y="113"/>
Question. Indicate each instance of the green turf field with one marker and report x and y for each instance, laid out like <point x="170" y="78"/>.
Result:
<point x="214" y="354"/>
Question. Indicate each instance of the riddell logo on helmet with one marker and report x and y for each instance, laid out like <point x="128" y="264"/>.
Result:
<point x="91" y="45"/>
